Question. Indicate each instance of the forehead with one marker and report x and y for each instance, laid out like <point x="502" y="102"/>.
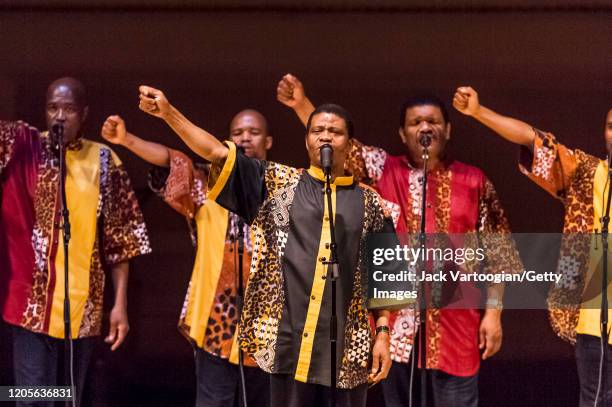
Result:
<point x="248" y="120"/>
<point x="424" y="111"/>
<point x="327" y="119"/>
<point x="63" y="94"/>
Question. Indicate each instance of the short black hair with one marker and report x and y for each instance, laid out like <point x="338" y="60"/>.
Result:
<point x="423" y="100"/>
<point x="333" y="109"/>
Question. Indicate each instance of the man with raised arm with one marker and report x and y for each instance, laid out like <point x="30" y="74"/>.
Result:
<point x="107" y="231"/>
<point x="209" y="316"/>
<point x="460" y="200"/>
<point x="579" y="181"/>
<point x="285" y="325"/>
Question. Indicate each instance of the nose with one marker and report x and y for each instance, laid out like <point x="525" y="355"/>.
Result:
<point x="61" y="115"/>
<point x="325" y="137"/>
<point x="245" y="137"/>
<point x="425" y="127"/>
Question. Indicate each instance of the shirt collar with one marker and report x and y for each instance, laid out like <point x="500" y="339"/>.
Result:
<point x="74" y="145"/>
<point x="317" y="173"/>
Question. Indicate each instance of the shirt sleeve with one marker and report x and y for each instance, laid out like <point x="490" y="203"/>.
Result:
<point x="182" y="185"/>
<point x="12" y="136"/>
<point x="549" y="164"/>
<point x="366" y="163"/>
<point x="495" y="234"/>
<point x="382" y="236"/>
<point x="238" y="184"/>
<point x="124" y="232"/>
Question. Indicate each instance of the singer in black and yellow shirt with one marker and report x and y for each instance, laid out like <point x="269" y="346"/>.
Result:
<point x="285" y="321"/>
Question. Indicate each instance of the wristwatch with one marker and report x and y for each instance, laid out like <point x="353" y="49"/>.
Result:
<point x="495" y="303"/>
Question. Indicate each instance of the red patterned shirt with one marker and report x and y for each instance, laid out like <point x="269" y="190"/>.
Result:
<point x="107" y="228"/>
<point x="460" y="200"/>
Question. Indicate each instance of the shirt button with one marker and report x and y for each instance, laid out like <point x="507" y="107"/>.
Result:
<point x="323" y="277"/>
<point x="313" y="297"/>
<point x="326" y="218"/>
<point x="305" y="334"/>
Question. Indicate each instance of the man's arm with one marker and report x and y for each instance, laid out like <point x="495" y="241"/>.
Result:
<point x="114" y="131"/>
<point x="154" y="102"/>
<point x="119" y="325"/>
<point x="466" y="101"/>
<point x="381" y="351"/>
<point x="490" y="332"/>
<point x="290" y="92"/>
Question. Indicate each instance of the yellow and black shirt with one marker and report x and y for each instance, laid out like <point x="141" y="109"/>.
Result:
<point x="285" y="320"/>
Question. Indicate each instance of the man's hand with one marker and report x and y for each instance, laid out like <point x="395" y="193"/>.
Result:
<point x="381" y="358"/>
<point x="466" y="101"/>
<point x="490" y="333"/>
<point x="290" y="91"/>
<point x="153" y="102"/>
<point x="113" y="130"/>
<point x="119" y="327"/>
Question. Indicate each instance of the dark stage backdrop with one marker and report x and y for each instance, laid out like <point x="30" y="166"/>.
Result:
<point x="550" y="67"/>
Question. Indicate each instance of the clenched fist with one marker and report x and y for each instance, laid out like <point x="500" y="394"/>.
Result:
<point x="113" y="130"/>
<point x="466" y="101"/>
<point x="153" y="101"/>
<point x="290" y="91"/>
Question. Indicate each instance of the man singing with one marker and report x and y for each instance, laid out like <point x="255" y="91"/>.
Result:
<point x="209" y="316"/>
<point x="285" y="323"/>
<point x="579" y="181"/>
<point x="107" y="230"/>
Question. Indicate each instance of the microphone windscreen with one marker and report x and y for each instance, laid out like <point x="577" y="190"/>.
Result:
<point x="327" y="157"/>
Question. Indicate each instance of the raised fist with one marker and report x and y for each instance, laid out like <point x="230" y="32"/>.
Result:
<point x="466" y="101"/>
<point x="153" y="102"/>
<point x="113" y="130"/>
<point x="290" y="91"/>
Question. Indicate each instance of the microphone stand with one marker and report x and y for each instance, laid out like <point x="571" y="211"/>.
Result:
<point x="332" y="267"/>
<point x="425" y="141"/>
<point x="239" y="304"/>
<point x="58" y="129"/>
<point x="605" y="222"/>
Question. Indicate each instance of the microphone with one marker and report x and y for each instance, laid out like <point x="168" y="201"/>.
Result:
<point x="58" y="129"/>
<point x="327" y="158"/>
<point x="57" y="135"/>
<point x="425" y="138"/>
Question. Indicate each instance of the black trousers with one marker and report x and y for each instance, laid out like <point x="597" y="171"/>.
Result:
<point x="588" y="352"/>
<point x="447" y="390"/>
<point x="218" y="383"/>
<point x="36" y="358"/>
<point x="287" y="392"/>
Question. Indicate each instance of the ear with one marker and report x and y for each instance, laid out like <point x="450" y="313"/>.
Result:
<point x="448" y="131"/>
<point x="402" y="135"/>
<point x="269" y="141"/>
